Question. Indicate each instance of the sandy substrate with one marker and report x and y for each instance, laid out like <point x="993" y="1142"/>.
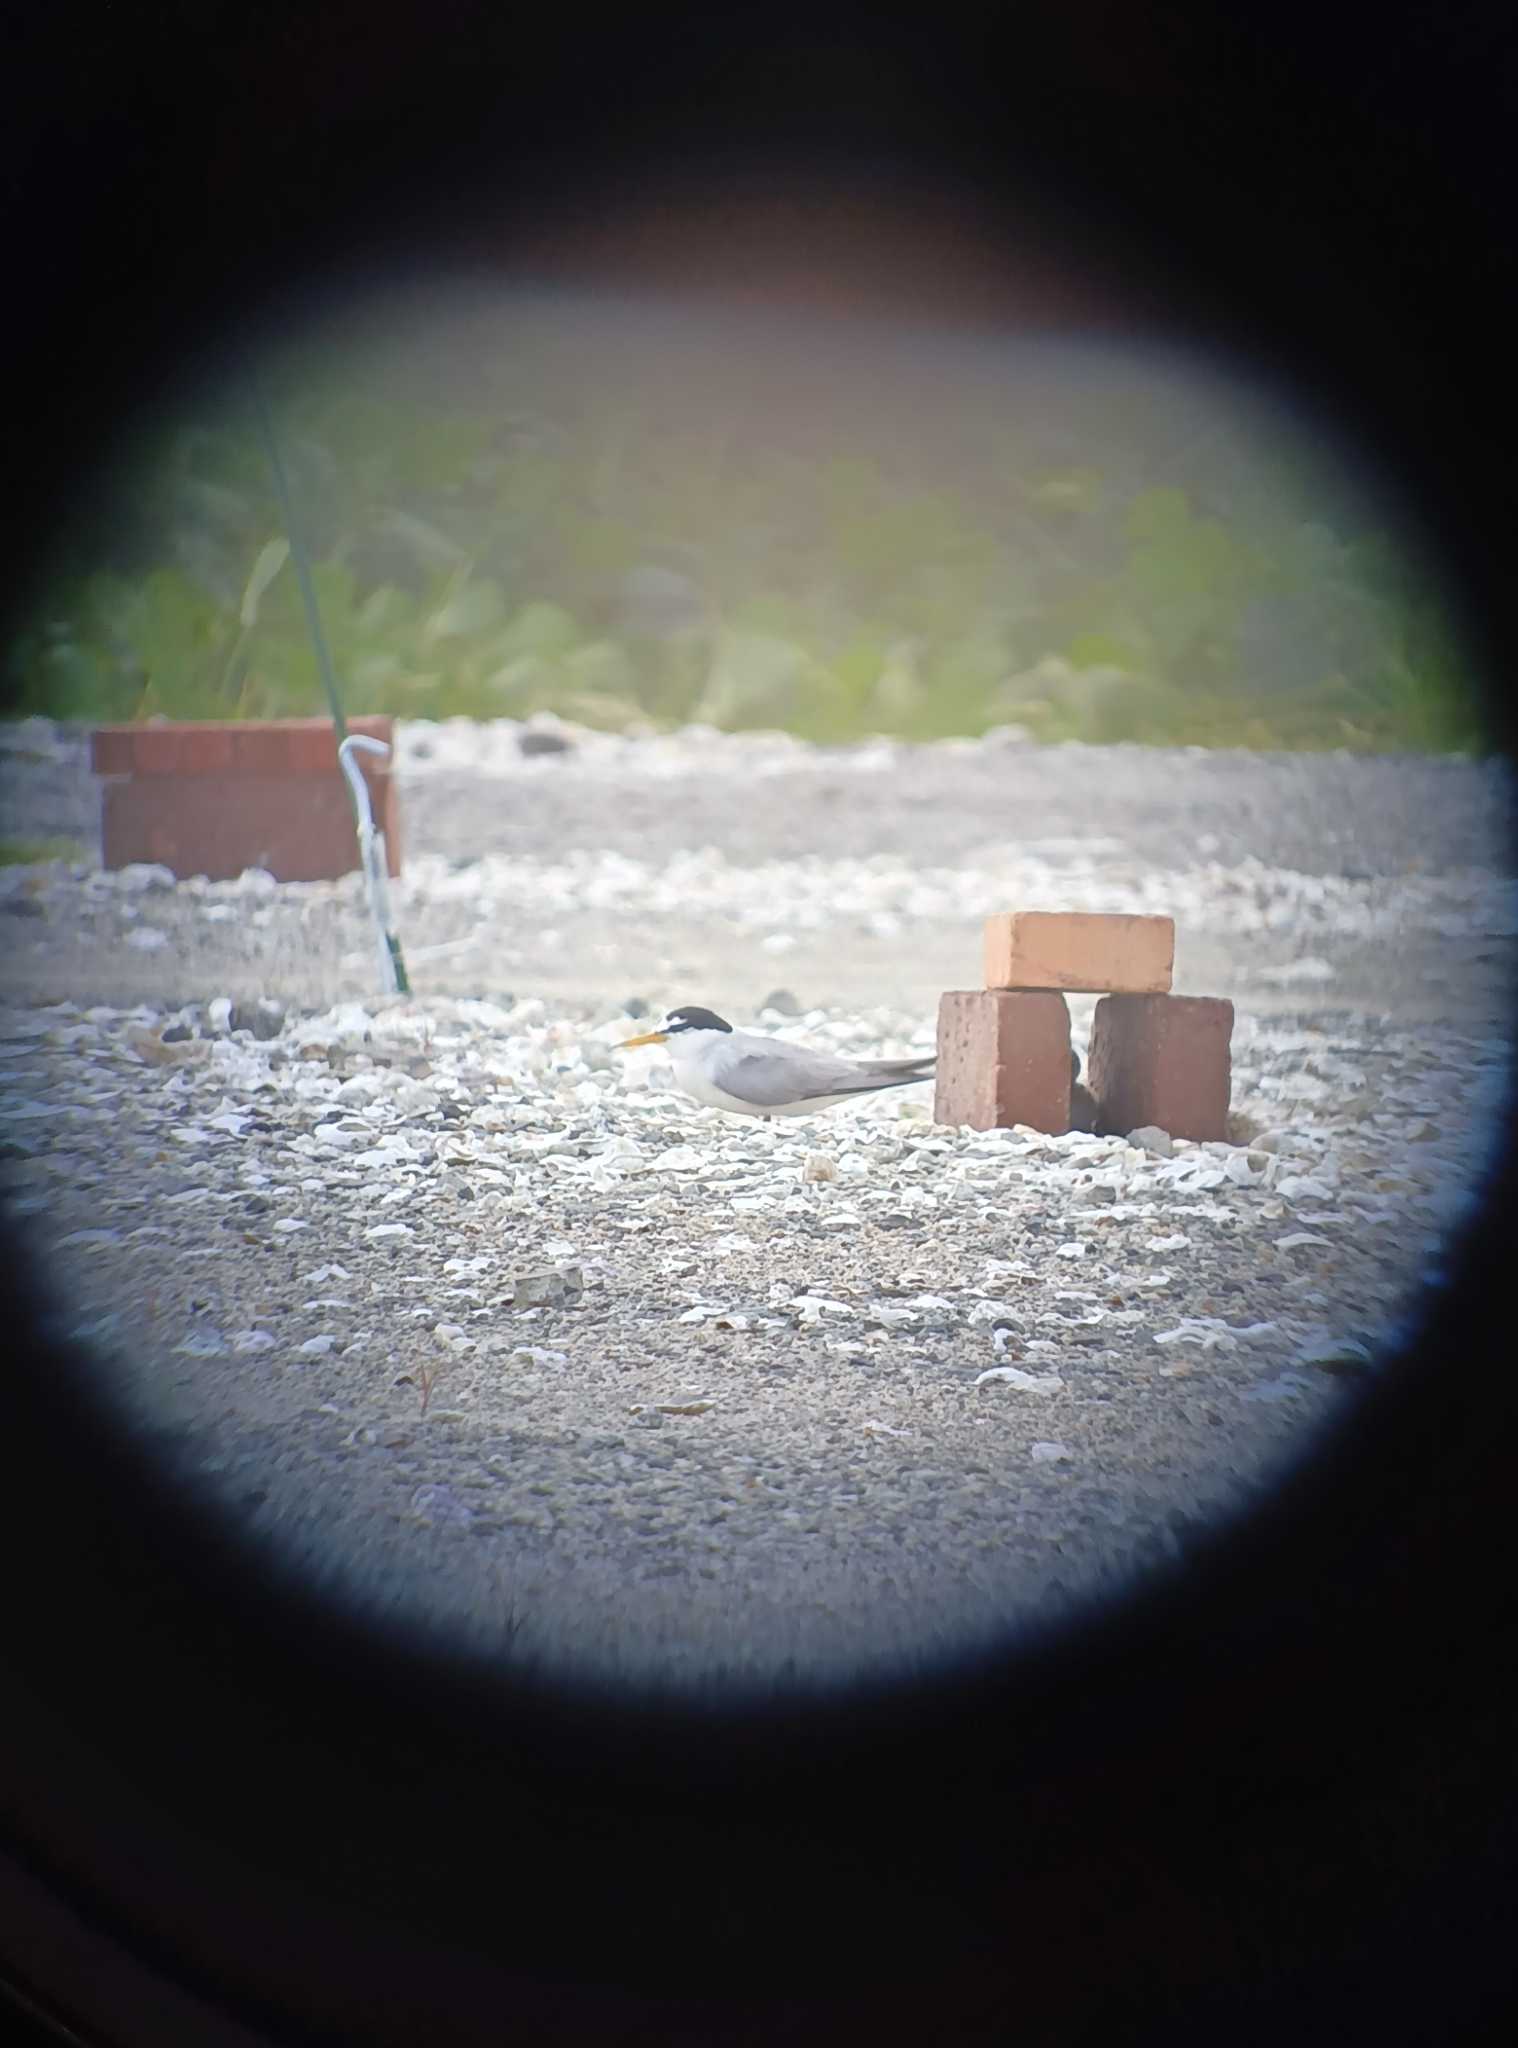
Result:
<point x="469" y="1316"/>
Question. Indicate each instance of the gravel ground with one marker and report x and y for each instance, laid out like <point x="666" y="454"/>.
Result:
<point x="473" y="1318"/>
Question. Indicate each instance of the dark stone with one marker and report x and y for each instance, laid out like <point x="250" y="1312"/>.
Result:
<point x="264" y="1018"/>
<point x="175" y="1034"/>
<point x="1084" y="1114"/>
<point x="23" y="906"/>
<point x="782" y="1002"/>
<point x="537" y="740"/>
<point x="1345" y="1366"/>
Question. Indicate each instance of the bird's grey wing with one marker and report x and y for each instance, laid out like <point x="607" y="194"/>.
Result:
<point x="900" y="1070"/>
<point x="796" y="1073"/>
<point x="791" y="1073"/>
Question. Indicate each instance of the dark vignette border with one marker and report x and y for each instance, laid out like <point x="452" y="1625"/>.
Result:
<point x="1277" y="1792"/>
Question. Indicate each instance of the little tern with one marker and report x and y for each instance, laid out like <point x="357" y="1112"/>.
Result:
<point x="751" y="1075"/>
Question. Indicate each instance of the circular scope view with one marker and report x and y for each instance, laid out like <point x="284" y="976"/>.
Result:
<point x="896" y="994"/>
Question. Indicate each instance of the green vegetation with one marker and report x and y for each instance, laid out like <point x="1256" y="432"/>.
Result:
<point x="25" y="853"/>
<point x="622" y="520"/>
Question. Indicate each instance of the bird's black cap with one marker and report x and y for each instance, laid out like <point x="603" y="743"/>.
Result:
<point x="695" y="1019"/>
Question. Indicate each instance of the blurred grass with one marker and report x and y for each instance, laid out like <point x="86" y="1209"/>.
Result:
<point x="23" y="853"/>
<point x="597" y="524"/>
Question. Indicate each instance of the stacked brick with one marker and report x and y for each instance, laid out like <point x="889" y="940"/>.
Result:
<point x="1004" y="1054"/>
<point x="209" y="798"/>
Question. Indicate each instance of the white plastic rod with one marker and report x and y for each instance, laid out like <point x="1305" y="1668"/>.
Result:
<point x="371" y="853"/>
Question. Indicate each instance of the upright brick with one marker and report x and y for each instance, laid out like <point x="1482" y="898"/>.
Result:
<point x="1079" y="953"/>
<point x="1162" y="1060"/>
<point x="1003" y="1058"/>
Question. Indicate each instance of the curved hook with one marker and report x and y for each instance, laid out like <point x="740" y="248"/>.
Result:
<point x="354" y="775"/>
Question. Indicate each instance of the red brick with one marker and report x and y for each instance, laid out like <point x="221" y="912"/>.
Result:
<point x="265" y="748"/>
<point x="313" y="742"/>
<point x="1003" y="1058"/>
<point x="257" y="747"/>
<point x="298" y="827"/>
<point x="1162" y="1060"/>
<point x="166" y="749"/>
<point x="188" y="750"/>
<point x="1079" y="952"/>
<point x="111" y="749"/>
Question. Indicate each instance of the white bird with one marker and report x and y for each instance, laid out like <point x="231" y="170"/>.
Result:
<point x="751" y="1075"/>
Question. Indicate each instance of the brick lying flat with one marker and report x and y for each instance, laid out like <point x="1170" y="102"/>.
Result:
<point x="298" y="827"/>
<point x="1162" y="1060"/>
<point x="1078" y="952"/>
<point x="212" y="797"/>
<point x="1003" y="1058"/>
<point x="264" y="746"/>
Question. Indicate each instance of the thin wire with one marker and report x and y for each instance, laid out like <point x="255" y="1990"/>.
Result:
<point x="299" y="556"/>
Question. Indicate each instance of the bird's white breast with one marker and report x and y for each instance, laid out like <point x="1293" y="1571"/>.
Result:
<point x="696" y="1057"/>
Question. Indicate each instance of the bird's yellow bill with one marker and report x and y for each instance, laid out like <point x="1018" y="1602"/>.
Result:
<point x="647" y="1038"/>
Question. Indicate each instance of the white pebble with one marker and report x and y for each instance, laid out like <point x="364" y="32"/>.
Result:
<point x="1151" y="1139"/>
<point x="1302" y="1187"/>
<point x="140" y="875"/>
<point x="1024" y="1382"/>
<point x="677" y="1159"/>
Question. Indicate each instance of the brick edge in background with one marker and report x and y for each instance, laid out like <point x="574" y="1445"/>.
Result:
<point x="216" y="798"/>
